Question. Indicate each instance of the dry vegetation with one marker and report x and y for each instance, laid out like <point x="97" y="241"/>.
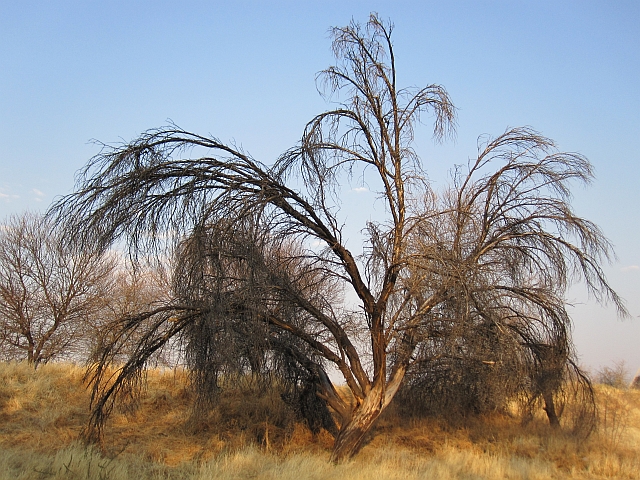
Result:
<point x="252" y="435"/>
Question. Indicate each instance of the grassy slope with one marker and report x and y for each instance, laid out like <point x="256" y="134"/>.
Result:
<point x="42" y="413"/>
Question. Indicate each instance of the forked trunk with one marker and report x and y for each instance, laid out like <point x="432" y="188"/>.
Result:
<point x="350" y="439"/>
<point x="352" y="433"/>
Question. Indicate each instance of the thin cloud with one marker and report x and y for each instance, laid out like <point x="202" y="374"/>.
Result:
<point x="7" y="197"/>
<point x="360" y="189"/>
<point x="630" y="268"/>
<point x="37" y="192"/>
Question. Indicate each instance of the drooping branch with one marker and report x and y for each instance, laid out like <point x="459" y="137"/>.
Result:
<point x="447" y="287"/>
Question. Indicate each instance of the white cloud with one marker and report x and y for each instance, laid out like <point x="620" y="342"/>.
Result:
<point x="7" y="197"/>
<point x="37" y="192"/>
<point x="630" y="268"/>
<point x="360" y="189"/>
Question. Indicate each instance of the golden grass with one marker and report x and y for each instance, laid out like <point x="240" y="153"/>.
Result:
<point x="257" y="436"/>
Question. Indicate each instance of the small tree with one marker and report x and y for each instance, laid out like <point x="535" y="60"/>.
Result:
<point x="134" y="289"/>
<point x="50" y="292"/>
<point x="263" y="268"/>
<point x="616" y="376"/>
<point x="506" y="244"/>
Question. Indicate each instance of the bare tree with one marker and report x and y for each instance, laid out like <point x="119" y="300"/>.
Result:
<point x="252" y="284"/>
<point x="506" y="244"/>
<point x="615" y="376"/>
<point x="137" y="289"/>
<point x="134" y="289"/>
<point x="49" y="292"/>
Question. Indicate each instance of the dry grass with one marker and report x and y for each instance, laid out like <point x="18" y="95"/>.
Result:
<point x="255" y="435"/>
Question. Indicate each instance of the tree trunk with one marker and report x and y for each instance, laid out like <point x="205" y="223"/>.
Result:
<point x="352" y="433"/>
<point x="350" y="439"/>
<point x="550" y="409"/>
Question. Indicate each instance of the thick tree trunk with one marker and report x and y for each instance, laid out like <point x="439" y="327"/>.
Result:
<point x="352" y="434"/>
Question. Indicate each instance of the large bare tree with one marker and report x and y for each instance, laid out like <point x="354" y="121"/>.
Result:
<point x="264" y="277"/>
<point x="50" y="292"/>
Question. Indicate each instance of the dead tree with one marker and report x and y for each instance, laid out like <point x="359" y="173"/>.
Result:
<point x="507" y="244"/>
<point x="264" y="268"/>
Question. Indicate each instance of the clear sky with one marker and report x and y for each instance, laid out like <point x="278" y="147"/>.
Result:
<point x="245" y="72"/>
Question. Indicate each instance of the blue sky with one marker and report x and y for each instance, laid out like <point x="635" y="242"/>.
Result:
<point x="245" y="72"/>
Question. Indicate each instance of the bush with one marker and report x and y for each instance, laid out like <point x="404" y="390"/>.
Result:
<point x="616" y="376"/>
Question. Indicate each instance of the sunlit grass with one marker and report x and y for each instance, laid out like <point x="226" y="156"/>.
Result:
<point x="257" y="436"/>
